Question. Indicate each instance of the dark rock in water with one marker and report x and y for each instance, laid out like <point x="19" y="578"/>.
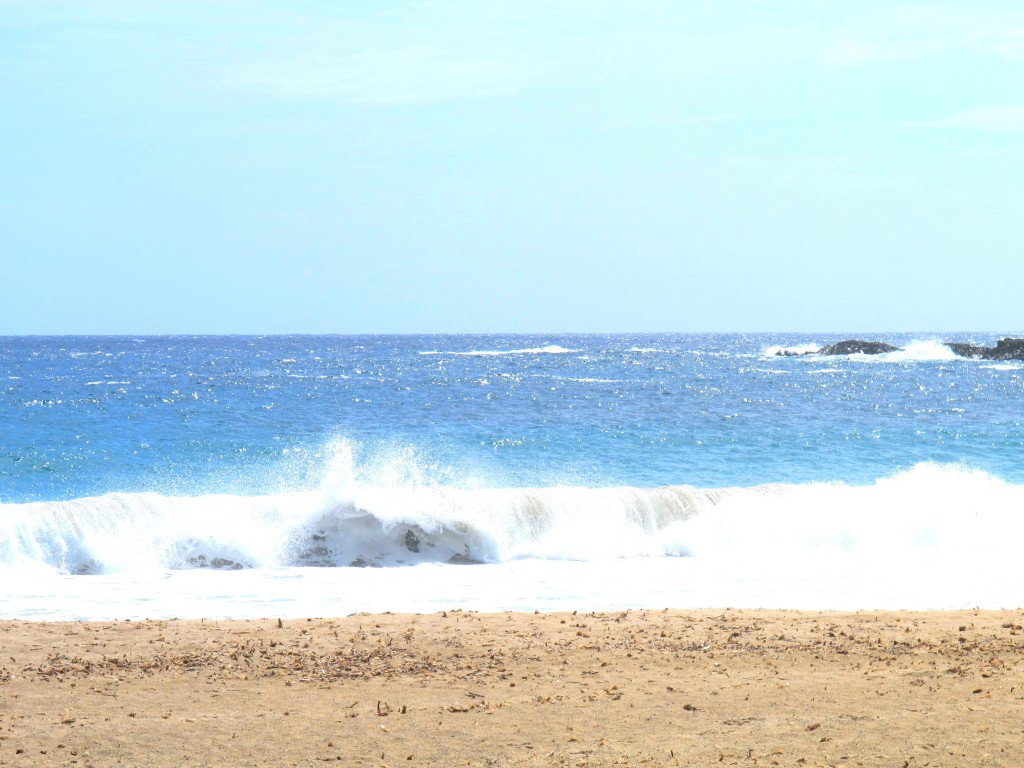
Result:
<point x="463" y="558"/>
<point x="967" y="350"/>
<point x="220" y="563"/>
<point x="847" y="347"/>
<point x="857" y="347"/>
<point x="225" y="564"/>
<point x="1008" y="349"/>
<point x="1005" y="349"/>
<point x="317" y="555"/>
<point x="412" y="541"/>
<point x="460" y="559"/>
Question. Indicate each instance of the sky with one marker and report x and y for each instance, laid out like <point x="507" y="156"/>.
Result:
<point x="535" y="166"/>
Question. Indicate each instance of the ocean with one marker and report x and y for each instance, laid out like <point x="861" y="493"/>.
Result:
<point x="286" y="476"/>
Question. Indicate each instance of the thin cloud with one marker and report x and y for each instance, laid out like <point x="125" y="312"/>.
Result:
<point x="1004" y="41"/>
<point x="675" y="121"/>
<point x="855" y="53"/>
<point x="982" y="119"/>
<point x="922" y="32"/>
<point x="835" y="174"/>
<point x="415" y="74"/>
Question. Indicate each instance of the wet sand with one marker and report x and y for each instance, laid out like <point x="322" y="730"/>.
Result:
<point x="633" y="688"/>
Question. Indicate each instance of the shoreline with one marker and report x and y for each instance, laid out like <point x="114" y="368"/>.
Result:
<point x="659" y="687"/>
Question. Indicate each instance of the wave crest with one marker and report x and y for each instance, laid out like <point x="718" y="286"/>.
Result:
<point x="930" y="508"/>
<point x="368" y="527"/>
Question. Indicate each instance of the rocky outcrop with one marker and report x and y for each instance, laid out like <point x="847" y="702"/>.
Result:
<point x="1005" y="349"/>
<point x="858" y="347"/>
<point x="847" y="347"/>
<point x="966" y="350"/>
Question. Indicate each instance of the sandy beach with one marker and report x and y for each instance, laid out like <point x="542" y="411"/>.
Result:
<point x="632" y="688"/>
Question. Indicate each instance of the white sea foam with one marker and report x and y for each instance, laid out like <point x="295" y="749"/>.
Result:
<point x="941" y="509"/>
<point x="836" y="582"/>
<point x="919" y="351"/>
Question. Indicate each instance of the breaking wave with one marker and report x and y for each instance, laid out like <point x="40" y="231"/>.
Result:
<point x="935" y="508"/>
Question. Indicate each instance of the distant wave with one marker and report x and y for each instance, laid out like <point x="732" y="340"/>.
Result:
<point x="550" y="349"/>
<point x="938" y="508"/>
<point x="799" y="349"/>
<point x="921" y="350"/>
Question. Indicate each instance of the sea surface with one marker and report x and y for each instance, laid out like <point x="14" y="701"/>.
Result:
<point x="243" y="476"/>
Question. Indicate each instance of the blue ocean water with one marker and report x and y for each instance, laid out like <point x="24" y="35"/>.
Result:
<point x="124" y="459"/>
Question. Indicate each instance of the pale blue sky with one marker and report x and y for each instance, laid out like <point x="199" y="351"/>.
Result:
<point x="534" y="166"/>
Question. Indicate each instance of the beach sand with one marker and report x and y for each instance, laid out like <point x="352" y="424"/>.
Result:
<point x="643" y="687"/>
